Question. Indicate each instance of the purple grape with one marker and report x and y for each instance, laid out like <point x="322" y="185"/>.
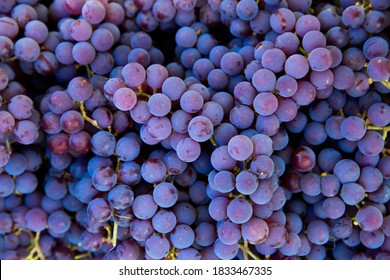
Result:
<point x="282" y="20"/>
<point x="240" y="147"/>
<point x="36" y="219"/>
<point x="93" y="12"/>
<point x="157" y="246"/>
<point x="200" y="129"/>
<point x="369" y="218"/>
<point x="239" y="211"/>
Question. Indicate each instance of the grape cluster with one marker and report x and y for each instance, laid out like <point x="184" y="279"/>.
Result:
<point x="194" y="129"/>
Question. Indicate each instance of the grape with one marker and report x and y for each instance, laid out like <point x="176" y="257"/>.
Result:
<point x="121" y="197"/>
<point x="103" y="143"/>
<point x="306" y="23"/>
<point x="182" y="236"/>
<point x="333" y="127"/>
<point x="371" y="144"/>
<point x="85" y="191"/>
<point x="200" y="129"/>
<point x="191" y="101"/>
<point x="188" y="150"/>
<point x="72" y="122"/>
<point x="277" y="236"/>
<point x="261" y="123"/>
<point x="240" y="147"/>
<point x="157" y="246"/>
<point x="122" y="148"/>
<point x="264" y="80"/>
<point x="55" y="188"/>
<point x="292" y="246"/>
<point x="312" y="40"/>
<point x="282" y="20"/>
<point x="310" y="184"/>
<point x="198" y="193"/>
<point x="328" y="158"/>
<point x="287" y="109"/>
<point x="320" y="59"/>
<point x="164" y="221"/>
<point x="36" y="219"/>
<point x="318" y="232"/>
<point x="353" y="16"/>
<point x="255" y="230"/>
<point x="7" y="185"/>
<point x="375" y="47"/>
<point x="262" y="166"/>
<point x="379" y="114"/>
<point x="370" y="178"/>
<point x="263" y="193"/>
<point x="26" y="49"/>
<point x="80" y="89"/>
<point x="83" y="53"/>
<point x="241" y="116"/>
<point x="153" y="170"/>
<point x="213" y="111"/>
<point x="246" y="182"/>
<point x="303" y="159"/>
<point x="224" y="251"/>
<point x="265" y="103"/>
<point x="372" y="240"/>
<point x="218" y="208"/>
<point x="144" y="207"/>
<point x="343" y="77"/>
<point x="7" y="124"/>
<point x="21" y="107"/>
<point x="59" y="222"/>
<point x="353" y="128"/>
<point x="333" y="207"/>
<point x="369" y="218"/>
<point x="347" y="171"/>
<point x="239" y="211"/>
<point x="165" y="194"/>
<point x="124" y="99"/>
<point x="26" y="182"/>
<point x="293" y="222"/>
<point x="205" y="234"/>
<point x="93" y="12"/>
<point x="292" y="69"/>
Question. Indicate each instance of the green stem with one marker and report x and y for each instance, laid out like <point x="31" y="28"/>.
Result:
<point x="88" y="119"/>
<point x="36" y="252"/>
<point x="245" y="249"/>
<point x="384" y="129"/>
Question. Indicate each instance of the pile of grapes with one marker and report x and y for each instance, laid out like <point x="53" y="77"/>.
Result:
<point x="194" y="129"/>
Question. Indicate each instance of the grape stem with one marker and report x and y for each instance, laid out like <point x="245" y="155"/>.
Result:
<point x="82" y="256"/>
<point x="8" y="145"/>
<point x="90" y="73"/>
<point x="112" y="234"/>
<point x="88" y="119"/>
<point x="385" y="130"/>
<point x="385" y="83"/>
<point x="246" y="251"/>
<point x="213" y="141"/>
<point x="171" y="255"/>
<point x="302" y="51"/>
<point x="118" y="165"/>
<point x="114" y="237"/>
<point x="9" y="59"/>
<point x="36" y="252"/>
<point x="143" y="94"/>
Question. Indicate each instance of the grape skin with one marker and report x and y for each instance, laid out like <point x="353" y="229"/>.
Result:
<point x="194" y="129"/>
